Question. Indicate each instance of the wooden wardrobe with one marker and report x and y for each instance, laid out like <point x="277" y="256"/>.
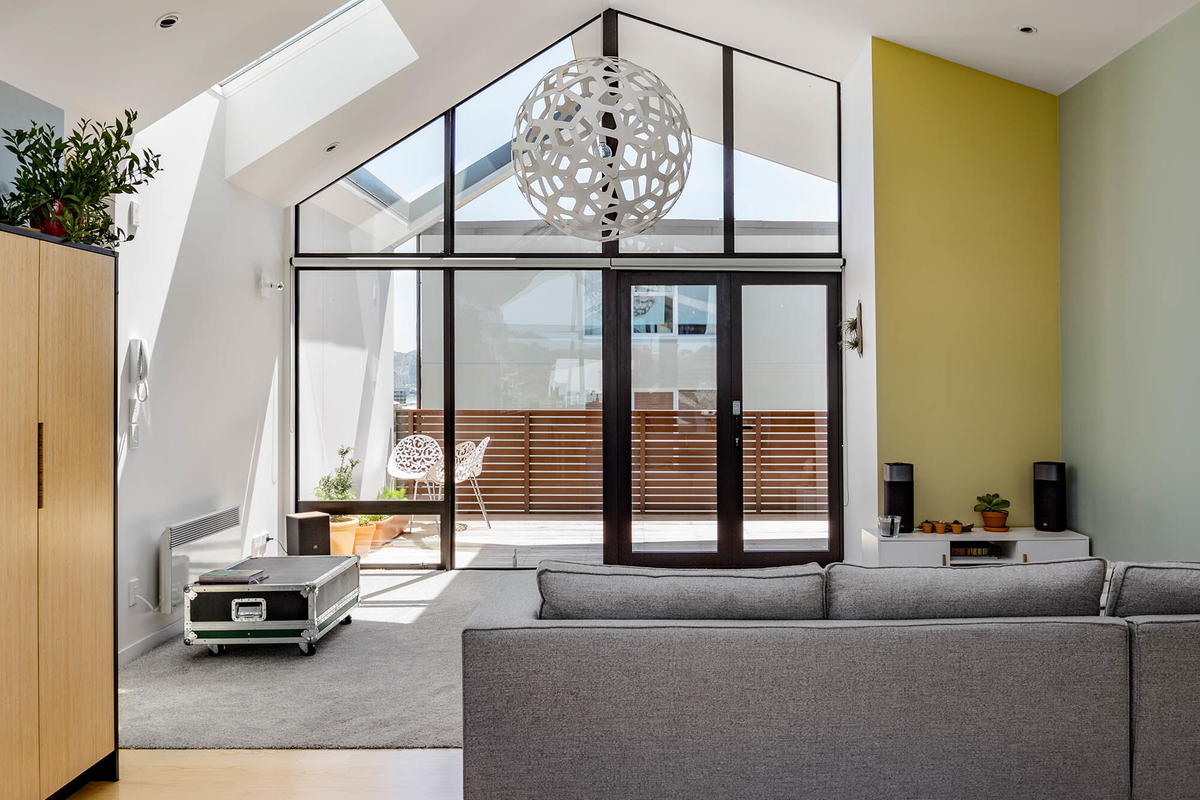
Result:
<point x="57" y="506"/>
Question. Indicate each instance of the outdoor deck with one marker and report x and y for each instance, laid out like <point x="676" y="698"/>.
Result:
<point x="525" y="540"/>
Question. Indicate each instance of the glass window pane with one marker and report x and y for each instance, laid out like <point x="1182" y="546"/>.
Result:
<point x="491" y="215"/>
<point x="692" y="70"/>
<point x="392" y="204"/>
<point x="529" y="395"/>
<point x="785" y="163"/>
<point x="363" y="367"/>
<point x="674" y="423"/>
<point x="785" y="403"/>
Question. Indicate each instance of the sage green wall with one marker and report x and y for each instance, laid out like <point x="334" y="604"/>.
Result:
<point x="1129" y="159"/>
<point x="17" y="108"/>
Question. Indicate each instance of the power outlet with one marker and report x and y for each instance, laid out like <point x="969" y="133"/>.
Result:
<point x="132" y="591"/>
<point x="258" y="545"/>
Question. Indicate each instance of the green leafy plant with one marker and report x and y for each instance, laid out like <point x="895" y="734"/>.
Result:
<point x="367" y="519"/>
<point x="63" y="186"/>
<point x="991" y="503"/>
<point x="388" y="493"/>
<point x="339" y="484"/>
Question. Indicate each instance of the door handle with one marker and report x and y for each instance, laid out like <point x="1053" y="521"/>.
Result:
<point x="39" y="466"/>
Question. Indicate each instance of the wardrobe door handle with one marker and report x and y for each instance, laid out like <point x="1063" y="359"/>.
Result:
<point x="40" y="464"/>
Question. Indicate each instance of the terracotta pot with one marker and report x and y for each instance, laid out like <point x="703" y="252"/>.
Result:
<point x="940" y="527"/>
<point x="995" y="520"/>
<point x="363" y="537"/>
<point x="956" y="527"/>
<point x="927" y="527"/>
<point x="390" y="528"/>
<point x="341" y="537"/>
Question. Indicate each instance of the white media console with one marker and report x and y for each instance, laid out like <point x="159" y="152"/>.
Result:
<point x="1016" y="546"/>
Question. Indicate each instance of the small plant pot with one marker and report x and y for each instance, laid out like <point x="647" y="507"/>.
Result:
<point x="995" y="521"/>
<point x="363" y="537"/>
<point x="390" y="528"/>
<point x="956" y="527"/>
<point x="927" y="527"/>
<point x="940" y="527"/>
<point x="341" y="537"/>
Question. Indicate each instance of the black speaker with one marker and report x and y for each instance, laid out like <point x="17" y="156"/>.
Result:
<point x="307" y="534"/>
<point x="898" y="493"/>
<point x="1050" y="496"/>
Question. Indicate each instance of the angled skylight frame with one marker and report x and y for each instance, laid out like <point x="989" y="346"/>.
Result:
<point x="274" y="51"/>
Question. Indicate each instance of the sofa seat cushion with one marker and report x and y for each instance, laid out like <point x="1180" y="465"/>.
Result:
<point x="1046" y="589"/>
<point x="1161" y="588"/>
<point x="588" y="591"/>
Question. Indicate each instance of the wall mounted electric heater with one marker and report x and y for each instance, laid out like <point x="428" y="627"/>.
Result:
<point x="187" y="549"/>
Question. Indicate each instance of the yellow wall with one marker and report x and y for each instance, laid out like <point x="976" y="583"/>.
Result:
<point x="966" y="270"/>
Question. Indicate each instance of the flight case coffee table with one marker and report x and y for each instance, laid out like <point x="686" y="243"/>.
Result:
<point x="300" y="601"/>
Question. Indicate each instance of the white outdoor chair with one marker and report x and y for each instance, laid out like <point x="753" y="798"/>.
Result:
<point x="412" y="459"/>
<point x="468" y="466"/>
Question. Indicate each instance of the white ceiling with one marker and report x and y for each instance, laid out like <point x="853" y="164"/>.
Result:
<point x="1074" y="39"/>
<point x="96" y="57"/>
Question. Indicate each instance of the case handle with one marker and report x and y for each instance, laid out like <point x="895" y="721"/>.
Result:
<point x="249" y="609"/>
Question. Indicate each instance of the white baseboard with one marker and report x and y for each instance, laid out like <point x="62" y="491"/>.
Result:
<point x="148" y="643"/>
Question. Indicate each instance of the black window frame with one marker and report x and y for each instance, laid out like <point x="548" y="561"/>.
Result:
<point x="609" y="20"/>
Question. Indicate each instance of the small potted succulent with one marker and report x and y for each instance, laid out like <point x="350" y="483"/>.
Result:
<point x="994" y="510"/>
<point x="339" y="485"/>
<point x="939" y="526"/>
<point x="956" y="527"/>
<point x="927" y="526"/>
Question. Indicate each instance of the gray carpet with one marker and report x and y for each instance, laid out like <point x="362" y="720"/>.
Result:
<point x="391" y="679"/>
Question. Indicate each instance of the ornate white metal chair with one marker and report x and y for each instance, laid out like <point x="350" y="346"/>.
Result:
<point x="468" y="466"/>
<point x="413" y="458"/>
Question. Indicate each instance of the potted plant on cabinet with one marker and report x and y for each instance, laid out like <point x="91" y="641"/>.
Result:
<point x="396" y="524"/>
<point x="994" y="510"/>
<point x="339" y="485"/>
<point x="64" y="187"/>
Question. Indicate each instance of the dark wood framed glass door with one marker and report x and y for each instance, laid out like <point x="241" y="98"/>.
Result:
<point x="723" y="418"/>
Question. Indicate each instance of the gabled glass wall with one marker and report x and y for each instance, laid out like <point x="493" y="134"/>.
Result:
<point x="783" y="158"/>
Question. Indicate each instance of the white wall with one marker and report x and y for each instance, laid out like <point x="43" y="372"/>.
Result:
<point x="858" y="197"/>
<point x="210" y="431"/>
<point x="347" y="333"/>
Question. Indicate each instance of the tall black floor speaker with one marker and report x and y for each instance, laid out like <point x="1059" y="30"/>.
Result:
<point x="1050" y="496"/>
<point x="898" y="493"/>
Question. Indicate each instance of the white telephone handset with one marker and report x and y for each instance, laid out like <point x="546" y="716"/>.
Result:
<point x="139" y="369"/>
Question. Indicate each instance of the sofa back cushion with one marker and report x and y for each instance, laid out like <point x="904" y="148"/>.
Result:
<point x="588" y="591"/>
<point x="1046" y="589"/>
<point x="1165" y="587"/>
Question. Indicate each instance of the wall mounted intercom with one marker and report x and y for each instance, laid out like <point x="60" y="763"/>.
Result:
<point x="139" y="369"/>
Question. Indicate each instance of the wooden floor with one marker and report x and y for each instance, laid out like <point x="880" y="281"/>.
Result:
<point x="284" y="775"/>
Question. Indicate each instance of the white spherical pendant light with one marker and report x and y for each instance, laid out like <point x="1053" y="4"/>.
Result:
<point x="601" y="148"/>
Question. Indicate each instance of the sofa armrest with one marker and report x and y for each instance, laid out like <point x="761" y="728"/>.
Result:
<point x="1165" y="706"/>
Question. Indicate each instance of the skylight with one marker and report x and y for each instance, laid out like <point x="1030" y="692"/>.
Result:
<point x="281" y="47"/>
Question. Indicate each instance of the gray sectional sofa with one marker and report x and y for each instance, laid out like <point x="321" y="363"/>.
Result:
<point x="922" y="683"/>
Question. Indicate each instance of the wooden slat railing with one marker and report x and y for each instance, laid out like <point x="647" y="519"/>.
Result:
<point x="551" y="460"/>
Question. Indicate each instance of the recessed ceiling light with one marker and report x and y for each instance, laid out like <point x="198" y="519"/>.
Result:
<point x="168" y="21"/>
<point x="329" y="148"/>
<point x="1028" y="30"/>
